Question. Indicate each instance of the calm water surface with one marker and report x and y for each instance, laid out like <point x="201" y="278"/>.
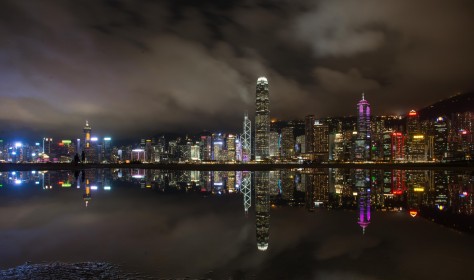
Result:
<point x="286" y="224"/>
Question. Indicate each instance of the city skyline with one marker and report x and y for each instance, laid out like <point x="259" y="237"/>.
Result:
<point x="143" y="68"/>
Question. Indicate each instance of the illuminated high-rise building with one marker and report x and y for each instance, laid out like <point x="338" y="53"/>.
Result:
<point x="308" y="132"/>
<point x="363" y="140"/>
<point x="246" y="139"/>
<point x="287" y="142"/>
<point x="440" y="138"/>
<point x="89" y="148"/>
<point x="87" y="135"/>
<point x="262" y="120"/>
<point x="274" y="144"/>
<point x="416" y="146"/>
<point x="206" y="147"/>
<point x="230" y="145"/>
<point x="413" y="123"/>
<point x="321" y="141"/>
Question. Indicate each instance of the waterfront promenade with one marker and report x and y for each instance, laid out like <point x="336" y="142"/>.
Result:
<point x="466" y="165"/>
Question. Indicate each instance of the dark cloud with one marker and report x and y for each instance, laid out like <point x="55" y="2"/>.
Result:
<point x="146" y="67"/>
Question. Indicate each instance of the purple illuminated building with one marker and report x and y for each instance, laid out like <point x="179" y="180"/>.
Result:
<point x="363" y="142"/>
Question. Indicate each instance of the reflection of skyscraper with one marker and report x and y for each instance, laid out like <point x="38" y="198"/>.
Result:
<point x="362" y="184"/>
<point x="262" y="120"/>
<point x="246" y="190"/>
<point x="262" y="209"/>
<point x="87" y="194"/>
<point x="364" y="208"/>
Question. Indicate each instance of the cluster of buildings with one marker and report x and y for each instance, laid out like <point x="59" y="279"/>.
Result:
<point x="358" y="138"/>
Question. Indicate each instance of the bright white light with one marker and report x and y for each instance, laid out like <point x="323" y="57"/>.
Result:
<point x="107" y="188"/>
<point x="33" y="154"/>
<point x="138" y="176"/>
<point x="107" y="138"/>
<point x="94" y="188"/>
<point x="94" y="139"/>
<point x="17" y="182"/>
<point x="18" y="144"/>
<point x="37" y="182"/>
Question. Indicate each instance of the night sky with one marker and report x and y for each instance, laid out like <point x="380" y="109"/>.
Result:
<point x="142" y="68"/>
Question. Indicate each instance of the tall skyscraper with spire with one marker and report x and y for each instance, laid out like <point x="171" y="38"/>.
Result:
<point x="363" y="141"/>
<point x="246" y="139"/>
<point x="262" y="120"/>
<point x="363" y="121"/>
<point x="87" y="135"/>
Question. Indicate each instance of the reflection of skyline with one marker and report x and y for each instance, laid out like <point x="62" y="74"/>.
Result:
<point x="262" y="209"/>
<point x="391" y="190"/>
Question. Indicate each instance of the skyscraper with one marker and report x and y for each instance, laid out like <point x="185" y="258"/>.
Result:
<point x="308" y="132"/>
<point x="321" y="141"/>
<point x="413" y="123"/>
<point x="262" y="120"/>
<point x="440" y="138"/>
<point x="363" y="140"/>
<point x="87" y="135"/>
<point x="287" y="142"/>
<point x="246" y="139"/>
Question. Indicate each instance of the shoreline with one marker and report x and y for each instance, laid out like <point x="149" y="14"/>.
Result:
<point x="464" y="165"/>
<point x="63" y="270"/>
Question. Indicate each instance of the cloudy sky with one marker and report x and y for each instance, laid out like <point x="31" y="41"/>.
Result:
<point x="148" y="67"/>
